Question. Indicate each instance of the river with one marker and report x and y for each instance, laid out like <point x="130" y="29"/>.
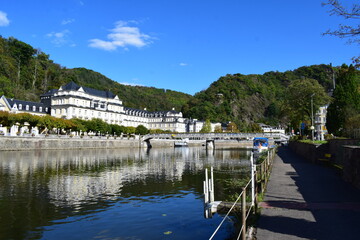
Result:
<point x="114" y="194"/>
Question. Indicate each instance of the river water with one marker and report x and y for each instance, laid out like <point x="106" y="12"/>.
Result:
<point x="114" y="194"/>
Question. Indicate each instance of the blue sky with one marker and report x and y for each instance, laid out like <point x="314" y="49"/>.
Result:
<point x="180" y="45"/>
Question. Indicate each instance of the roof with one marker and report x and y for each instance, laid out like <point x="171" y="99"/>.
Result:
<point x="37" y="105"/>
<point x="71" y="86"/>
<point x="50" y="92"/>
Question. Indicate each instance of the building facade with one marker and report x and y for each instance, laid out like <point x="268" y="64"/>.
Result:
<point x="320" y="123"/>
<point x="74" y="101"/>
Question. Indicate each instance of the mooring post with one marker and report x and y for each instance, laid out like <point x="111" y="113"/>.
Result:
<point x="243" y="205"/>
<point x="211" y="182"/>
<point x="206" y="186"/>
<point x="252" y="180"/>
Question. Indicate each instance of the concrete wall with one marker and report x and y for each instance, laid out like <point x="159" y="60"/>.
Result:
<point x="19" y="143"/>
<point x="29" y="143"/>
<point x="345" y="156"/>
<point x="351" y="166"/>
<point x="336" y="149"/>
<point x="312" y="152"/>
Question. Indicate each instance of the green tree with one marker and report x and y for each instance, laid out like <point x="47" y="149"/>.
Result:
<point x="303" y="95"/>
<point x="97" y="125"/>
<point x="142" y="130"/>
<point x="218" y="129"/>
<point x="206" y="127"/>
<point x="346" y="102"/>
<point x="4" y="119"/>
<point x="232" y="127"/>
<point x="46" y="123"/>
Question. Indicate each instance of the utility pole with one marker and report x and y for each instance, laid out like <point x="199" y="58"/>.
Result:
<point x="312" y="118"/>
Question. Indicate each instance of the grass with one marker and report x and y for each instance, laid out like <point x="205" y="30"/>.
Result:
<point x="313" y="142"/>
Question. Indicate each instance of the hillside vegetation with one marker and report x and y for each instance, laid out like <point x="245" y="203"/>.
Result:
<point x="248" y="99"/>
<point x="26" y="73"/>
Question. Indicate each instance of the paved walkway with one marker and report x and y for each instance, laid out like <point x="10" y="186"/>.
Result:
<point x="308" y="201"/>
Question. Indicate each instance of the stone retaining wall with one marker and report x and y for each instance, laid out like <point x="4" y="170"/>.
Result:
<point x="19" y="143"/>
<point x="345" y="156"/>
<point x="312" y="152"/>
<point x="30" y="143"/>
<point x="351" y="166"/>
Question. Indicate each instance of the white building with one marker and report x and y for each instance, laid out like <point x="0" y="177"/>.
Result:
<point x="74" y="101"/>
<point x="270" y="129"/>
<point x="320" y="122"/>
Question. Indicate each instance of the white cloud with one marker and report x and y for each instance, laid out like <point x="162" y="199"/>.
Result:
<point x="59" y="38"/>
<point x="4" y="21"/>
<point x="67" y="21"/>
<point x="183" y="64"/>
<point x="122" y="36"/>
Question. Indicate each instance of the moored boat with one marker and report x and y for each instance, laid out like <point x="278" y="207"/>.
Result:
<point x="260" y="144"/>
<point x="182" y="143"/>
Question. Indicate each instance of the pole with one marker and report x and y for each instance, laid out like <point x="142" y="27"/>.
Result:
<point x="252" y="180"/>
<point x="312" y="118"/>
<point x="206" y="186"/>
<point x="243" y="234"/>
<point x="212" y="198"/>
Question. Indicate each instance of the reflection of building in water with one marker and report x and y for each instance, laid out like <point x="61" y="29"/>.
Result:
<point x="80" y="175"/>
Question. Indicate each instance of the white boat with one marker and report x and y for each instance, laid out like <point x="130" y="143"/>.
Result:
<point x="182" y="143"/>
<point x="260" y="145"/>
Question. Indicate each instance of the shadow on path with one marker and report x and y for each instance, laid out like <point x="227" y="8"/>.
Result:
<point x="308" y="201"/>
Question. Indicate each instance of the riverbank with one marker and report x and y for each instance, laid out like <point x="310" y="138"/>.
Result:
<point x="61" y="142"/>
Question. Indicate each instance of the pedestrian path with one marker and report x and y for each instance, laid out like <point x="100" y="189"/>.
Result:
<point x="307" y="201"/>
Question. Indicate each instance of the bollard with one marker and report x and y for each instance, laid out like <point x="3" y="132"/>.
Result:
<point x="211" y="182"/>
<point x="243" y="234"/>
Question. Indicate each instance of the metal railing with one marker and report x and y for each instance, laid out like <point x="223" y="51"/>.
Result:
<point x="256" y="185"/>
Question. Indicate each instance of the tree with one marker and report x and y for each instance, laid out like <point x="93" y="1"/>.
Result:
<point x="232" y="127"/>
<point x="142" y="130"/>
<point x="218" y="129"/>
<point x="352" y="32"/>
<point x="4" y="119"/>
<point x="206" y="127"/>
<point x="304" y="95"/>
<point x="346" y="102"/>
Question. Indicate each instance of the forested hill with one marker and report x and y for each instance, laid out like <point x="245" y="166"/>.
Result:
<point x="26" y="73"/>
<point x="249" y="99"/>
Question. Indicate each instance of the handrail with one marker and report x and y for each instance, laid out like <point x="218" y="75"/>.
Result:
<point x="242" y="192"/>
<point x="266" y="164"/>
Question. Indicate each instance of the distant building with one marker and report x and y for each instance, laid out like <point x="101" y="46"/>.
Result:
<point x="20" y="106"/>
<point x="271" y="129"/>
<point x="320" y="122"/>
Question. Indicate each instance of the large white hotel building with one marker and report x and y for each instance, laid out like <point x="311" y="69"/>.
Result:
<point x="74" y="101"/>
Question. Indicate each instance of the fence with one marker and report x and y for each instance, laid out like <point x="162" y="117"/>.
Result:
<point x="255" y="186"/>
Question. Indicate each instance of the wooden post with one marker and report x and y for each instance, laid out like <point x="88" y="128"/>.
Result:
<point x="243" y="234"/>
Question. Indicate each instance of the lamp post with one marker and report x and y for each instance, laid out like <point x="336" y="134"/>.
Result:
<point x="312" y="118"/>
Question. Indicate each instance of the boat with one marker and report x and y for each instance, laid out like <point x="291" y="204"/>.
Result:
<point x="182" y="143"/>
<point x="260" y="144"/>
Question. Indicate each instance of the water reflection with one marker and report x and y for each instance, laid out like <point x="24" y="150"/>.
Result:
<point x="37" y="188"/>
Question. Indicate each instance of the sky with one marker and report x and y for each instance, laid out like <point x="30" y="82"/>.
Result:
<point x="182" y="45"/>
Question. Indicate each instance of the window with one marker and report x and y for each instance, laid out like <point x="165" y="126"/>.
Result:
<point x="40" y="109"/>
<point x="20" y="106"/>
<point x="34" y="108"/>
<point x="27" y="107"/>
<point x="46" y="109"/>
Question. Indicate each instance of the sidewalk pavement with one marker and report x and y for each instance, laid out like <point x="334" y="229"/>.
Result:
<point x="307" y="201"/>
